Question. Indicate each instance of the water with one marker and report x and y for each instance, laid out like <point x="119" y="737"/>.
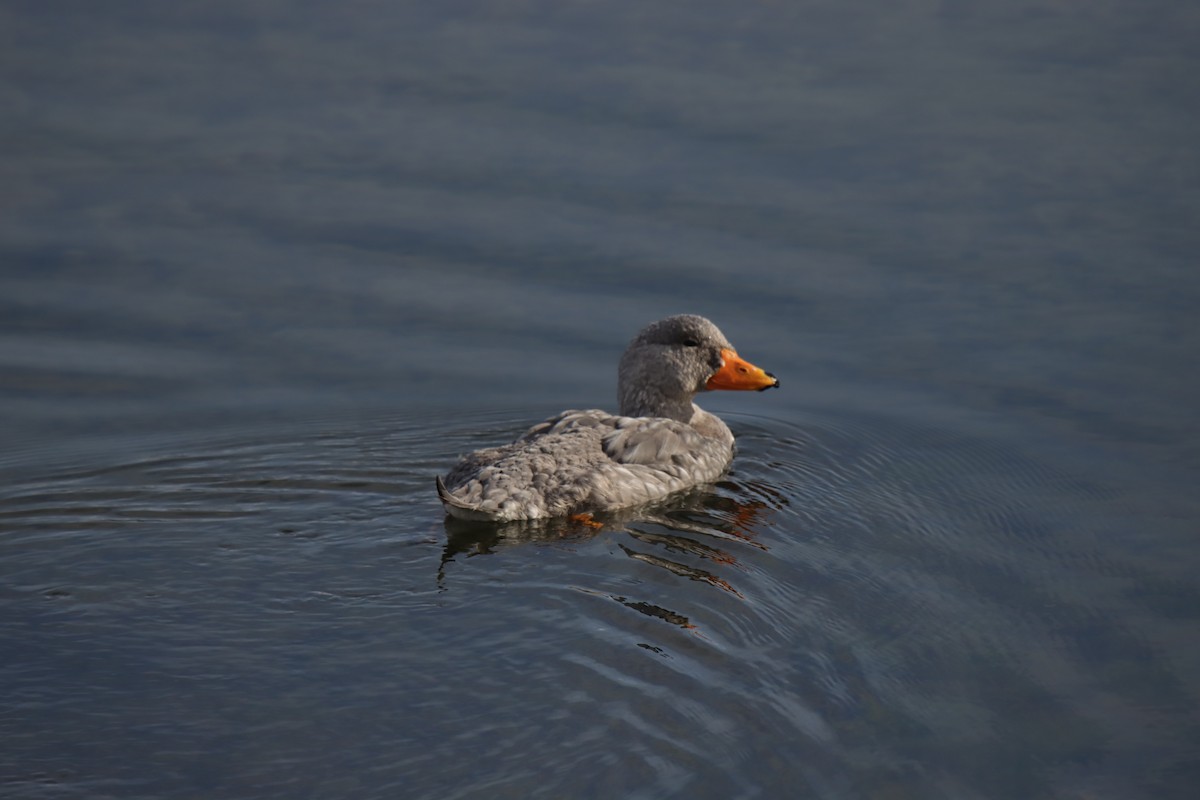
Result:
<point x="266" y="269"/>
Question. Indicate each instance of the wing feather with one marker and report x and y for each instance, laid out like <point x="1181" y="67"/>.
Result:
<point x="584" y="459"/>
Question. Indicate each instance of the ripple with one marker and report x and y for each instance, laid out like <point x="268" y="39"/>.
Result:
<point x="867" y="595"/>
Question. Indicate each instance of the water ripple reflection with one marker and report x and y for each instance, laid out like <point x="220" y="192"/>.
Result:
<point x="862" y="607"/>
<point x="862" y="579"/>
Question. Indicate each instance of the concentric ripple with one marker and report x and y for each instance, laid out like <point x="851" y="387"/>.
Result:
<point x="862" y="607"/>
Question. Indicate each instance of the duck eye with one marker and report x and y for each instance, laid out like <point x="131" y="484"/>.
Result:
<point x="690" y="343"/>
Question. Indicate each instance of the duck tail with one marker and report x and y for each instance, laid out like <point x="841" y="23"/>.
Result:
<point x="444" y="493"/>
<point x="456" y="507"/>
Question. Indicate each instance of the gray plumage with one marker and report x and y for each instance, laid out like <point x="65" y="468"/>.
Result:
<point x="585" y="461"/>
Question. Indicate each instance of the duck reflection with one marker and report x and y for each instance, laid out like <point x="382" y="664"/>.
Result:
<point x="705" y="523"/>
<point x="683" y="570"/>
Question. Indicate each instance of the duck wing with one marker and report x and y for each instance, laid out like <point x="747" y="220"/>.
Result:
<point x="582" y="461"/>
<point x="541" y="474"/>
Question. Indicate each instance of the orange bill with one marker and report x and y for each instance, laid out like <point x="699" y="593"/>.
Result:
<point x="739" y="374"/>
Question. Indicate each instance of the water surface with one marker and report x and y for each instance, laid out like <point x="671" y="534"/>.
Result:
<point x="266" y="269"/>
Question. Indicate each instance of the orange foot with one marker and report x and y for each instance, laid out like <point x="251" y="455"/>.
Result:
<point x="586" y="519"/>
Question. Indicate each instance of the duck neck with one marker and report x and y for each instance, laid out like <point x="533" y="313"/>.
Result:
<point x="643" y="403"/>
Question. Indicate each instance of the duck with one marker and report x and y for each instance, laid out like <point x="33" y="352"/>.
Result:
<point x="591" y="461"/>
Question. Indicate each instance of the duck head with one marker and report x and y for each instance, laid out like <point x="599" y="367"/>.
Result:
<point x="671" y="360"/>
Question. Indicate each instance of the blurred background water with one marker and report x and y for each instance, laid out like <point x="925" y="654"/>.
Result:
<point x="267" y="267"/>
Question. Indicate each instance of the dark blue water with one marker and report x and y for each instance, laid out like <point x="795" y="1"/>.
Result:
<point x="267" y="268"/>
